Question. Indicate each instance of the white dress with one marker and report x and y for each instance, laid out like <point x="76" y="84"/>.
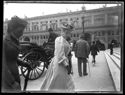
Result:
<point x="57" y="77"/>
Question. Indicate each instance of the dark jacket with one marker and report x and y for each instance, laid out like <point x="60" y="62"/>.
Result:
<point x="94" y="49"/>
<point x="10" y="72"/>
<point x="82" y="49"/>
<point x="52" y="37"/>
<point x="111" y="46"/>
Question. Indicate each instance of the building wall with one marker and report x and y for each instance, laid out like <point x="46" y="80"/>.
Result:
<point x="102" y="24"/>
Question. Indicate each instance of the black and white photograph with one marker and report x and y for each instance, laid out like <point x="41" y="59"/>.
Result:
<point x="62" y="47"/>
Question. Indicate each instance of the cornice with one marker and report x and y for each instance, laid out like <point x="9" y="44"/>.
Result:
<point x="115" y="8"/>
<point x="74" y="13"/>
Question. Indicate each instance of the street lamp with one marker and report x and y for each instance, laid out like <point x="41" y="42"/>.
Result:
<point x="83" y="23"/>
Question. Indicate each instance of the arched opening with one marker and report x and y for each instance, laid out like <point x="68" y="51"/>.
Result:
<point x="27" y="39"/>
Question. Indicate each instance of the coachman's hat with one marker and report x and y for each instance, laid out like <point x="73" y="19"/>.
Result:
<point x="50" y="30"/>
<point x="16" y="22"/>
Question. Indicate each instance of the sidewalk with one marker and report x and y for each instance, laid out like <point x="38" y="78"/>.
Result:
<point x="98" y="80"/>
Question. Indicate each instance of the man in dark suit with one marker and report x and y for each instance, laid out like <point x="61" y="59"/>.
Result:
<point x="94" y="49"/>
<point x="10" y="74"/>
<point x="51" y="39"/>
<point x="82" y="52"/>
<point x="52" y="35"/>
<point x="70" y="71"/>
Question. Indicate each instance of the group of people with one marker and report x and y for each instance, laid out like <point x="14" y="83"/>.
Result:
<point x="58" y="76"/>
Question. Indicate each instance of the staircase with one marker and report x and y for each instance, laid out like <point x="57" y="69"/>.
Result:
<point x="114" y="63"/>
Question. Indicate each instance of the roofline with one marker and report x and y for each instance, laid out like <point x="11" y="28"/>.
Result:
<point x="70" y="13"/>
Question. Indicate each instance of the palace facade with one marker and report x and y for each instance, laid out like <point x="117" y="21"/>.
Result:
<point x="103" y="24"/>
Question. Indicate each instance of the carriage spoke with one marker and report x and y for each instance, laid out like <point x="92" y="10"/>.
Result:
<point x="39" y="69"/>
<point x="25" y="71"/>
<point x="34" y="73"/>
<point x="30" y="74"/>
<point x="37" y="72"/>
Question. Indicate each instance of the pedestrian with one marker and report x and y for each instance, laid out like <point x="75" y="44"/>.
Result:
<point x="94" y="50"/>
<point x="74" y="44"/>
<point x="82" y="53"/>
<point x="70" y="71"/>
<point x="57" y="77"/>
<point x="111" y="48"/>
<point x="10" y="74"/>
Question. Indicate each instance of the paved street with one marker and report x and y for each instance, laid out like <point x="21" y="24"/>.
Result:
<point x="98" y="79"/>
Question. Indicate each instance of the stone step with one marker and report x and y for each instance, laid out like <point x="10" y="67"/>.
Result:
<point x="114" y="69"/>
<point x="117" y="52"/>
<point x="117" y="56"/>
<point x="115" y="60"/>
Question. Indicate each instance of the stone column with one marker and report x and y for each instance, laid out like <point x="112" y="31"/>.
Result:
<point x="92" y="20"/>
<point x="106" y="18"/>
<point x="32" y="38"/>
<point x="39" y="39"/>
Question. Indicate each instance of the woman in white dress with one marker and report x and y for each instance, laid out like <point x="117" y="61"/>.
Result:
<point x="57" y="78"/>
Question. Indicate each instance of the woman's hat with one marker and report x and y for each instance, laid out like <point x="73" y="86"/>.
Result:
<point x="66" y="26"/>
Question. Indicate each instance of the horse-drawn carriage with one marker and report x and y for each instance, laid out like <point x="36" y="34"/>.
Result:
<point x="33" y="60"/>
<point x="37" y="57"/>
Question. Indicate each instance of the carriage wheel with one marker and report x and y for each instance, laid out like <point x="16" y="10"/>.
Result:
<point x="35" y="61"/>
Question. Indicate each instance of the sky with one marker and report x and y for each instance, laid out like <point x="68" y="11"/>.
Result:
<point x="40" y="9"/>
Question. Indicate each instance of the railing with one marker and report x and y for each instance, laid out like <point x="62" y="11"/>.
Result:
<point x="114" y="63"/>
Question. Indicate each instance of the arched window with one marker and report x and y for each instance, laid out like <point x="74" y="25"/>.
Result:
<point x="103" y="33"/>
<point x="74" y="35"/>
<point x="37" y="37"/>
<point x="112" y="32"/>
<point x="109" y="32"/>
<point x="77" y="35"/>
<point x="27" y="39"/>
<point x="53" y="26"/>
<point x="71" y="35"/>
<point x="117" y="33"/>
<point x="32" y="37"/>
<point x="41" y="37"/>
<point x="98" y="33"/>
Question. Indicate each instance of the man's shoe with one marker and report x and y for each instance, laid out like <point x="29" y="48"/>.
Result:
<point x="80" y="75"/>
<point x="85" y="74"/>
